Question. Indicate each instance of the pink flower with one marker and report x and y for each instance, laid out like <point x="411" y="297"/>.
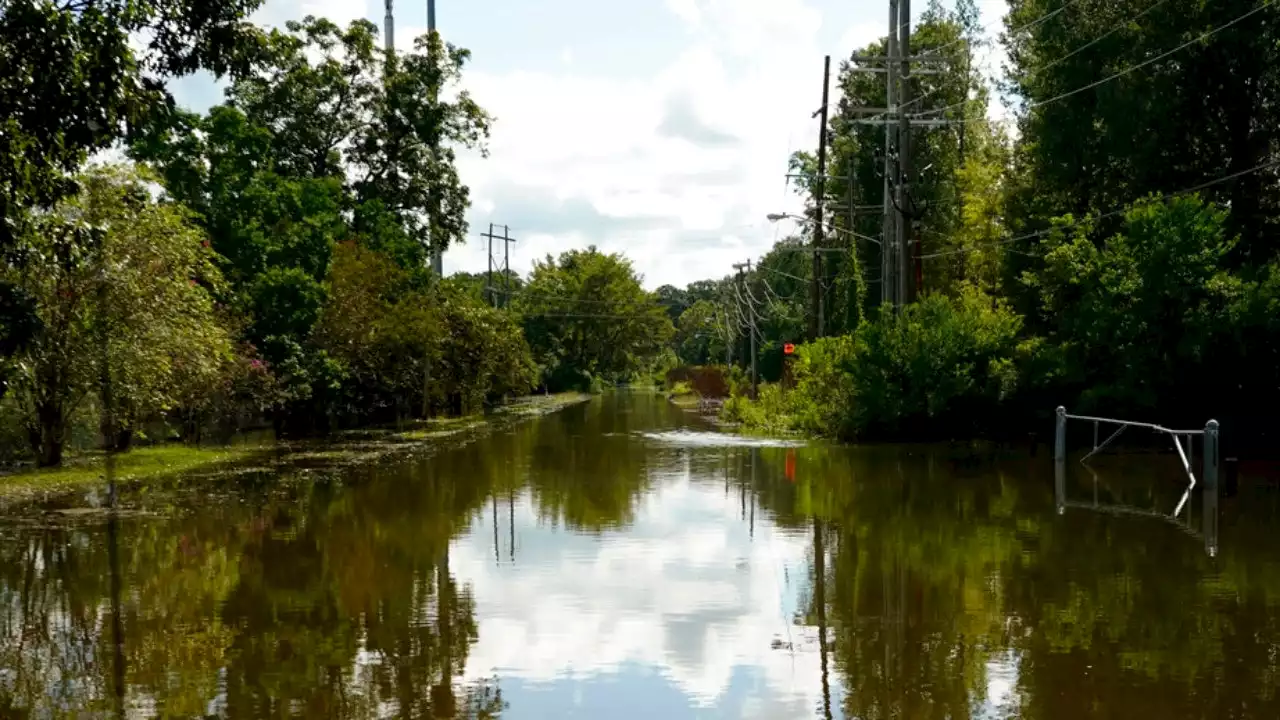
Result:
<point x="256" y="364"/>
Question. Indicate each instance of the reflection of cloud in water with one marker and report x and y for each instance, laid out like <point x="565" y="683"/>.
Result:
<point x="684" y="591"/>
<point x="1002" y="678"/>
<point x="693" y="438"/>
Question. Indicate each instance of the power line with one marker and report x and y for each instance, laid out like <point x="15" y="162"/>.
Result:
<point x="1132" y="68"/>
<point x="988" y="26"/>
<point x="1110" y="213"/>
<point x="1145" y="63"/>
<point x="1116" y="28"/>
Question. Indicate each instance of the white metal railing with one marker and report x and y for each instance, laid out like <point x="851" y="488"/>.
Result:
<point x="1209" y="446"/>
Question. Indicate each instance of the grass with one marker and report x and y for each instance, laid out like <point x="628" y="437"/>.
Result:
<point x="683" y="395"/>
<point x="138" y="464"/>
<point x="88" y="469"/>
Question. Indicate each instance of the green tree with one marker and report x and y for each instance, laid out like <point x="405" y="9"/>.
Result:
<point x="331" y="140"/>
<point x="139" y="299"/>
<point x="78" y="77"/>
<point x="698" y="337"/>
<point x="588" y="318"/>
<point x="399" y="342"/>
<point x="1090" y="143"/>
<point x="1137" y="318"/>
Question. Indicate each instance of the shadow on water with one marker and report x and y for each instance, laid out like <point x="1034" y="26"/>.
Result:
<point x="616" y="560"/>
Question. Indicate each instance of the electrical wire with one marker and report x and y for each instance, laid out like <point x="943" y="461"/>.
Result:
<point x="783" y="274"/>
<point x="1116" y="28"/>
<point x="1133" y="68"/>
<point x="1110" y="213"/>
<point x="993" y="23"/>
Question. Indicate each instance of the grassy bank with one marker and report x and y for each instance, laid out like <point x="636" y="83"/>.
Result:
<point x="683" y="396"/>
<point x="147" y="463"/>
<point x="136" y="465"/>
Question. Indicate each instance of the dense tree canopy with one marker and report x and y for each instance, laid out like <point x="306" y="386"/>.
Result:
<point x="133" y="309"/>
<point x="77" y="77"/>
<point x="587" y="318"/>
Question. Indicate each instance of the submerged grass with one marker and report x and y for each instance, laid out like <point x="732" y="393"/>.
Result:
<point x="138" y="464"/>
<point x="145" y="463"/>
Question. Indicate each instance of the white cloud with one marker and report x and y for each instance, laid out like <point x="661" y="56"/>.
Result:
<point x="698" y="149"/>
<point x="686" y="10"/>
<point x="339" y="11"/>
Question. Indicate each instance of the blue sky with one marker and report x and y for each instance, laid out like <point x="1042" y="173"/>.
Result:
<point x="658" y="128"/>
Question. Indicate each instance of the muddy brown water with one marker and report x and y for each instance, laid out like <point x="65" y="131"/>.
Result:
<point x="618" y="559"/>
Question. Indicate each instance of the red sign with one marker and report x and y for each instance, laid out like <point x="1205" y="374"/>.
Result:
<point x="788" y="349"/>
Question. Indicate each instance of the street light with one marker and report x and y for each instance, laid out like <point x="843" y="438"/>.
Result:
<point x="775" y="217"/>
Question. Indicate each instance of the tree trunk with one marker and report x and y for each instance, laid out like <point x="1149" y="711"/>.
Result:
<point x="48" y="435"/>
<point x="123" y="440"/>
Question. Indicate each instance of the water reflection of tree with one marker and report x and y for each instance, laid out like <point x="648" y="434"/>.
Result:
<point x="937" y="570"/>
<point x="325" y="601"/>
<point x="589" y="472"/>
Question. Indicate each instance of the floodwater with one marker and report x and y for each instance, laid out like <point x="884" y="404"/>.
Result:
<point x="618" y="560"/>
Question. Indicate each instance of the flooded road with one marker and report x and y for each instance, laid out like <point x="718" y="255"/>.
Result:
<point x="617" y="560"/>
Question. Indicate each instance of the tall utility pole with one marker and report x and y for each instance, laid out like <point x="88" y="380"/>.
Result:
<point x="888" y="287"/>
<point x="437" y="257"/>
<point x="751" y="325"/>
<point x="815" y="321"/>
<point x="389" y="28"/>
<point x="488" y="276"/>
<point x="903" y="244"/>
<point x="506" y="265"/>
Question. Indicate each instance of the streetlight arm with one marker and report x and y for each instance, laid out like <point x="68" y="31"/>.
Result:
<point x="775" y="217"/>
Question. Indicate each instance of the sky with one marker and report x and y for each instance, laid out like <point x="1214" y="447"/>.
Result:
<point x="656" y="128"/>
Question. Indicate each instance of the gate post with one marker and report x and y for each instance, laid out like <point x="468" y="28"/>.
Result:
<point x="1060" y="436"/>
<point x="1211" y="456"/>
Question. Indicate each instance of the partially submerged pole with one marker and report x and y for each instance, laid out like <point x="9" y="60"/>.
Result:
<point x="1211" y="456"/>
<point x="1060" y="436"/>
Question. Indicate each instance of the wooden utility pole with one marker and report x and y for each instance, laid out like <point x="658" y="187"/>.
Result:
<point x="488" y="276"/>
<point x="816" y="319"/>
<point x="888" y="285"/>
<point x="437" y="255"/>
<point x="751" y="325"/>
<point x="906" y="273"/>
<point x="506" y="265"/>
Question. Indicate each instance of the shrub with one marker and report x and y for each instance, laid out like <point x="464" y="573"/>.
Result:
<point x="824" y="391"/>
<point x="769" y="413"/>
<point x="942" y="363"/>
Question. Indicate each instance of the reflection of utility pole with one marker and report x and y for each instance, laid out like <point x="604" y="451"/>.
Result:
<point x="820" y="599"/>
<point x="511" y="522"/>
<point x="496" y="560"/>
<point x="751" y="528"/>
<point x="110" y="438"/>
<point x="444" y="700"/>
